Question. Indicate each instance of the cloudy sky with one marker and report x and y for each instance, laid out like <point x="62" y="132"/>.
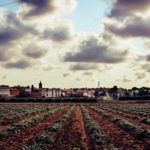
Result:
<point x="75" y="43"/>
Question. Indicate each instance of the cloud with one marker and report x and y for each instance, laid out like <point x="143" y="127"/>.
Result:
<point x="4" y="77"/>
<point x="126" y="80"/>
<point x="11" y="29"/>
<point x="9" y="34"/>
<point x="140" y="75"/>
<point x="5" y="54"/>
<point x="60" y="33"/>
<point x="146" y="45"/>
<point x="78" y="79"/>
<point x="35" y="8"/>
<point x="146" y="67"/>
<point x="133" y="27"/>
<point x="93" y="51"/>
<point x="82" y="66"/>
<point x="20" y="64"/>
<point x="65" y="74"/>
<point x="38" y="7"/>
<point x="148" y="57"/>
<point x="123" y="8"/>
<point x="88" y="73"/>
<point x="34" y="51"/>
<point x="48" y="68"/>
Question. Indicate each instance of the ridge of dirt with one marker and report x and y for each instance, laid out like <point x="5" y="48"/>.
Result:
<point x="23" y="137"/>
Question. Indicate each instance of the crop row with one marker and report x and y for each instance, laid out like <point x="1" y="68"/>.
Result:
<point x="19" y="112"/>
<point x="50" y="136"/>
<point x="144" y="120"/>
<point x="94" y="130"/>
<point x="128" y="127"/>
<point x="27" y="123"/>
<point x="140" y="110"/>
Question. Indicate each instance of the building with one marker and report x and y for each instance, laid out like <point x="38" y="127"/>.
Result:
<point x="28" y="90"/>
<point x="36" y="93"/>
<point x="55" y="92"/>
<point x="44" y="92"/>
<point x="4" y="91"/>
<point x="14" y="91"/>
<point x="40" y="85"/>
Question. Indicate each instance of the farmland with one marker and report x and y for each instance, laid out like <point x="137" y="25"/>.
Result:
<point x="75" y="126"/>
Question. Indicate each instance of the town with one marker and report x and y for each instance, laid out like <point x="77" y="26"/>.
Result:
<point x="100" y="92"/>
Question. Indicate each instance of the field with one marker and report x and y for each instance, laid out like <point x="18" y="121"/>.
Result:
<point x="75" y="126"/>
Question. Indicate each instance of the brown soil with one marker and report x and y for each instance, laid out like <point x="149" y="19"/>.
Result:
<point x="115" y="135"/>
<point x="73" y="134"/>
<point x="23" y="137"/>
<point x="134" y="121"/>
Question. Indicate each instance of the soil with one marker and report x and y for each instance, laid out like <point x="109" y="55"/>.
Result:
<point x="23" y="137"/>
<point x="134" y="121"/>
<point x="8" y="123"/>
<point x="74" y="135"/>
<point x="115" y="135"/>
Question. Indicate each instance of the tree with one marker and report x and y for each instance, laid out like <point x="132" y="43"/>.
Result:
<point x="114" y="92"/>
<point x="24" y="94"/>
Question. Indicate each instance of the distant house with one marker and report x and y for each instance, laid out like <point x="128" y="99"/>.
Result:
<point x="28" y="90"/>
<point x="36" y="93"/>
<point x="54" y="92"/>
<point x="88" y="93"/>
<point x="4" y="91"/>
<point x="44" y="92"/>
<point x="14" y="91"/>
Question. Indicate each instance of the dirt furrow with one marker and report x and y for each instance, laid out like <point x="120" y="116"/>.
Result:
<point x="30" y="116"/>
<point x="135" y="122"/>
<point x="74" y="135"/>
<point x="118" y="137"/>
<point x="23" y="137"/>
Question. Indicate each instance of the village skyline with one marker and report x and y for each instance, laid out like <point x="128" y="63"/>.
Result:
<point x="41" y="91"/>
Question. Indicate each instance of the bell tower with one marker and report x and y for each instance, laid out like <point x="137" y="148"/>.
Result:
<point x="40" y="85"/>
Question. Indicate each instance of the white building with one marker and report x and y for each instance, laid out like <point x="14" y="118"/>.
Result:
<point x="48" y="93"/>
<point x="55" y="92"/>
<point x="88" y="93"/>
<point x="4" y="91"/>
<point x="45" y="92"/>
<point x="28" y="90"/>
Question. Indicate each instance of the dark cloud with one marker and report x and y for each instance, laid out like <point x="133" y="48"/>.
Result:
<point x="91" y="50"/>
<point x="39" y="7"/>
<point x="20" y="64"/>
<point x="122" y="8"/>
<point x="58" y="34"/>
<point x="9" y="29"/>
<point x="135" y="27"/>
<point x="83" y="66"/>
<point x="12" y="29"/>
<point x="8" y="35"/>
<point x="34" y="51"/>
<point x="35" y="8"/>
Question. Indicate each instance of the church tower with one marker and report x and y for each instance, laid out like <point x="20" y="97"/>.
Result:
<point x="40" y="85"/>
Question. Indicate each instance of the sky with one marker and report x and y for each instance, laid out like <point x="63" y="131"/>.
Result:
<point x="75" y="43"/>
